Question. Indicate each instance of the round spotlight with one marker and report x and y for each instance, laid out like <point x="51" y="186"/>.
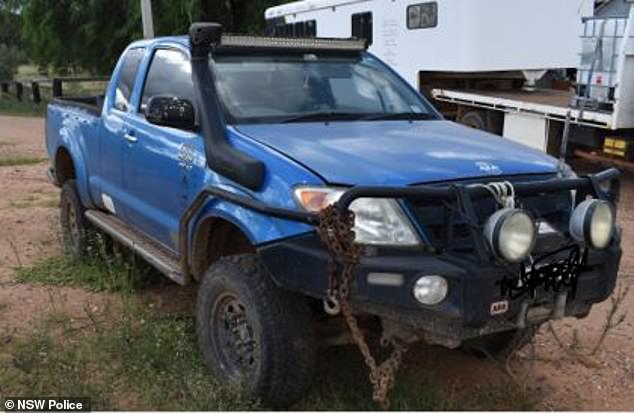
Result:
<point x="430" y="289"/>
<point x="592" y="222"/>
<point x="511" y="234"/>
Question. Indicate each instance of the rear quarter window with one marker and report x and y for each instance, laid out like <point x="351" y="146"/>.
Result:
<point x="127" y="75"/>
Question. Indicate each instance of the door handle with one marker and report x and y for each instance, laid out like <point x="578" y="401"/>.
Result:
<point x="129" y="136"/>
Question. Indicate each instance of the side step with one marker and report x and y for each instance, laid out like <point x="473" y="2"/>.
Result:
<point x="155" y="254"/>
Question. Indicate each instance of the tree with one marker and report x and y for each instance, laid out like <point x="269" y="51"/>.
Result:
<point x="11" y="54"/>
<point x="75" y="34"/>
<point x="9" y="60"/>
<point x="90" y="34"/>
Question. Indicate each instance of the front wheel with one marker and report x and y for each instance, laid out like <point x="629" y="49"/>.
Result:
<point x="254" y="334"/>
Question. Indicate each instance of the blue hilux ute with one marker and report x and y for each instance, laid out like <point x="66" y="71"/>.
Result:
<point x="315" y="196"/>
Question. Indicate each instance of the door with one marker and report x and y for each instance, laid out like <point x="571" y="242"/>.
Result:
<point x="161" y="162"/>
<point x="113" y="136"/>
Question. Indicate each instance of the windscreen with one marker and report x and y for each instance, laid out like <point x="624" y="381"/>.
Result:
<point x="296" y="88"/>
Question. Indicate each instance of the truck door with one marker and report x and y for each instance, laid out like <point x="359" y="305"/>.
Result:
<point x="113" y="135"/>
<point x="161" y="162"/>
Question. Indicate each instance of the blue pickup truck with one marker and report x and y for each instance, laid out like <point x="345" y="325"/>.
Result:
<point x="306" y="187"/>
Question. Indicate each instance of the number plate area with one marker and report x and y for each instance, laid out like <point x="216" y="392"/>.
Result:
<point x="547" y="275"/>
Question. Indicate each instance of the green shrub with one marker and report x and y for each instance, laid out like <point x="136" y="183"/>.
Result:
<point x="10" y="58"/>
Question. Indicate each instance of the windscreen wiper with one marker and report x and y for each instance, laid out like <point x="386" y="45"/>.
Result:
<point x="323" y="116"/>
<point x="400" y="116"/>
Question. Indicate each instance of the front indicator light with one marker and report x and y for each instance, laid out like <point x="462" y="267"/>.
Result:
<point x="593" y="222"/>
<point x="430" y="289"/>
<point x="511" y="234"/>
<point x="385" y="279"/>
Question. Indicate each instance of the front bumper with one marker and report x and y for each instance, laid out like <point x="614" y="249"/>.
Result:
<point x="477" y="284"/>
<point x="301" y="264"/>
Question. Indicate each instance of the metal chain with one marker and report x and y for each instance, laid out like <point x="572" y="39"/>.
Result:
<point x="336" y="231"/>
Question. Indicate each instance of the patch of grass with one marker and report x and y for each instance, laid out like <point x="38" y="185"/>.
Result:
<point x="506" y="396"/>
<point x="49" y="203"/>
<point x="34" y="201"/>
<point x="20" y="160"/>
<point x="95" y="273"/>
<point x="10" y="106"/>
<point x="108" y="267"/>
<point x="342" y="384"/>
<point x="162" y="361"/>
<point x="140" y="361"/>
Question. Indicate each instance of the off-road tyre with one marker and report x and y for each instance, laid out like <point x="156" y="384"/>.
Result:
<point x="75" y="227"/>
<point x="500" y="345"/>
<point x="279" y="321"/>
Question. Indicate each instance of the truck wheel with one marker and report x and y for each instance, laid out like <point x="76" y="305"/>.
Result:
<point x="500" y="345"/>
<point x="74" y="225"/>
<point x="475" y="119"/>
<point x="253" y="334"/>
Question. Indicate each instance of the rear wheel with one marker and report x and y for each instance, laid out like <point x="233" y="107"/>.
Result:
<point x="75" y="227"/>
<point x="474" y="119"/>
<point x="500" y="345"/>
<point x="485" y="120"/>
<point x="253" y="334"/>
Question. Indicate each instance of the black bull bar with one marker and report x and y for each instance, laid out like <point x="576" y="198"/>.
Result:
<point x="463" y="193"/>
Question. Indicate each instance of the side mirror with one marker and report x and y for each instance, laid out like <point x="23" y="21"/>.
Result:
<point x="171" y="111"/>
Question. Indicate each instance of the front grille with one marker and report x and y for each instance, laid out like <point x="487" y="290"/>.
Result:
<point x="447" y="230"/>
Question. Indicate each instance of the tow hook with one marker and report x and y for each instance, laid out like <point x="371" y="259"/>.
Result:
<point x="331" y="306"/>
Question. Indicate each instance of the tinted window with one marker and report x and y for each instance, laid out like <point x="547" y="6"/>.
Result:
<point x="170" y="74"/>
<point x="127" y="75"/>
<point x="362" y="26"/>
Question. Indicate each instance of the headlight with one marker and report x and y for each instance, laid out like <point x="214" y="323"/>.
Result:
<point x="378" y="221"/>
<point x="511" y="234"/>
<point x="592" y="221"/>
<point x="430" y="289"/>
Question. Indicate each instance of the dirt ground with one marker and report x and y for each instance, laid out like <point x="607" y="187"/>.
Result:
<point x="28" y="231"/>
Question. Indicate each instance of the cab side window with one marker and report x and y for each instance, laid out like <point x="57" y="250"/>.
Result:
<point x="127" y="75"/>
<point x="170" y="74"/>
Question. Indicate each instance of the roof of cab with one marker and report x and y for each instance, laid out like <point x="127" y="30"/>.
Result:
<point x="158" y="41"/>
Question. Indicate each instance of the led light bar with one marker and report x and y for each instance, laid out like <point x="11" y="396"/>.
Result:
<point x="292" y="43"/>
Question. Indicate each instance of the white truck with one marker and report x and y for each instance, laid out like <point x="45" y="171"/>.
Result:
<point x="517" y="68"/>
